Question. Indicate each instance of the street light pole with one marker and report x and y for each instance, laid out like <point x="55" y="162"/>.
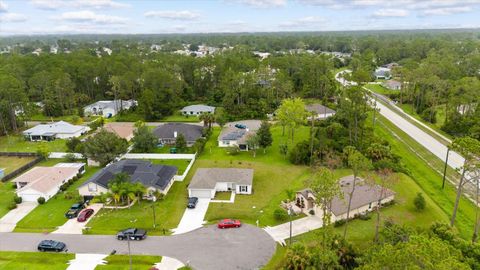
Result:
<point x="445" y="168"/>
<point x="154" y="219"/>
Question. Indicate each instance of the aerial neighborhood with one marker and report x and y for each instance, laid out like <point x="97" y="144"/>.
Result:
<point x="292" y="150"/>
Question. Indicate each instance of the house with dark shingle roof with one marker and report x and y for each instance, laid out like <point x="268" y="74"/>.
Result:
<point x="154" y="177"/>
<point x="365" y="198"/>
<point x="322" y="112"/>
<point x="237" y="133"/>
<point x="168" y="133"/>
<point x="207" y="181"/>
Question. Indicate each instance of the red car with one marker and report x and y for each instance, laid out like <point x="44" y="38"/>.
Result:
<point x="84" y="215"/>
<point x="229" y="223"/>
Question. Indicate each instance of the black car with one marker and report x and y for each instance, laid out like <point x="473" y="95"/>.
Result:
<point x="51" y="245"/>
<point x="74" y="210"/>
<point x="192" y="202"/>
<point x="132" y="233"/>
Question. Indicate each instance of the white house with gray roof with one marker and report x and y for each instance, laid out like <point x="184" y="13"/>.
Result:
<point x="207" y="181"/>
<point x="108" y="108"/>
<point x="197" y="110"/>
<point x="52" y="131"/>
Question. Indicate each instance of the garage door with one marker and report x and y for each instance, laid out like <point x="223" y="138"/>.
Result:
<point x="201" y="193"/>
<point x="29" y="197"/>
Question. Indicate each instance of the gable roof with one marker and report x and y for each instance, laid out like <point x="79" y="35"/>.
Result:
<point x="110" y="104"/>
<point x="319" y="109"/>
<point x="198" y="108"/>
<point x="150" y="175"/>
<point x="364" y="194"/>
<point x="122" y="129"/>
<point x="232" y="133"/>
<point x="54" y="128"/>
<point x="167" y="131"/>
<point x="207" y="178"/>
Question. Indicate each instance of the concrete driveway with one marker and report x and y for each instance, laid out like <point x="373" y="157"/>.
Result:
<point x="72" y="226"/>
<point x="9" y="221"/>
<point x="299" y="226"/>
<point x="193" y="219"/>
<point x="209" y="248"/>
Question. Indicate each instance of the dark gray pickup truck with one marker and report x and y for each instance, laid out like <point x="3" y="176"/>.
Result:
<point x="132" y="233"/>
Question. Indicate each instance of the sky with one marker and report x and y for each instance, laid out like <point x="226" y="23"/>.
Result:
<point x="37" y="17"/>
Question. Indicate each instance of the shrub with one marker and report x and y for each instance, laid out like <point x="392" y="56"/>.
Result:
<point x="41" y="200"/>
<point x="419" y="202"/>
<point x="339" y="223"/>
<point x="17" y="199"/>
<point x="364" y="216"/>
<point x="233" y="150"/>
<point x="280" y="214"/>
<point x="12" y="205"/>
<point x="311" y="212"/>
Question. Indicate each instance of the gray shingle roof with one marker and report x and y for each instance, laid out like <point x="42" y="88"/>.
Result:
<point x="53" y="128"/>
<point x="150" y="175"/>
<point x="318" y="108"/>
<point x="207" y="178"/>
<point x="190" y="132"/>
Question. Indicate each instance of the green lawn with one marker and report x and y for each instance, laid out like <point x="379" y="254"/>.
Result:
<point x="34" y="260"/>
<point x="181" y="164"/>
<point x="223" y="196"/>
<point x="66" y="118"/>
<point x="121" y="262"/>
<point x="12" y="163"/>
<point x="166" y="150"/>
<point x="379" y="89"/>
<point x="6" y="196"/>
<point x="16" y="143"/>
<point x="47" y="217"/>
<point x="178" y="117"/>
<point x="408" y="108"/>
<point x="135" y="116"/>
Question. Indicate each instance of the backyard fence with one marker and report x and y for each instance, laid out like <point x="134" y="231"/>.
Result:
<point x="24" y="167"/>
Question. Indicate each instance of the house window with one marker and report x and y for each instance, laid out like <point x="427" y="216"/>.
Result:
<point x="226" y="142"/>
<point x="370" y="206"/>
<point x="243" y="188"/>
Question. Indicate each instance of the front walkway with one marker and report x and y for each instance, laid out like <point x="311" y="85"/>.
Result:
<point x="9" y="221"/>
<point x="282" y="232"/>
<point x="86" y="261"/>
<point x="192" y="219"/>
<point x="72" y="226"/>
<point x="168" y="263"/>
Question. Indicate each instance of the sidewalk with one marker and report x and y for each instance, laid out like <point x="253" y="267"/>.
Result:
<point x="300" y="226"/>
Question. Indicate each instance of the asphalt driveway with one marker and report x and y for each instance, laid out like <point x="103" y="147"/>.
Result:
<point x="193" y="219"/>
<point x="209" y="248"/>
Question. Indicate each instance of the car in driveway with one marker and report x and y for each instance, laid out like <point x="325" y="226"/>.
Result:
<point x="132" y="234"/>
<point x="229" y="223"/>
<point x="74" y="210"/>
<point x="51" y="245"/>
<point x="85" y="214"/>
<point x="192" y="202"/>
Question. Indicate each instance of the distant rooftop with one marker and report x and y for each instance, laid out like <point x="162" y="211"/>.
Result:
<point x="53" y="128"/>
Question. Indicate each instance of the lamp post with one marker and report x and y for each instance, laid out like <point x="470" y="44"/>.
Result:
<point x="154" y="199"/>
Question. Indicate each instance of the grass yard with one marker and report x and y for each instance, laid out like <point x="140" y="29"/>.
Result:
<point x="379" y="89"/>
<point x="7" y="193"/>
<point x="67" y="118"/>
<point x="166" y="150"/>
<point x="16" y="143"/>
<point x="179" y="117"/>
<point x="34" y="260"/>
<point x="223" y="196"/>
<point x="408" y="108"/>
<point x="121" y="262"/>
<point x="181" y="164"/>
<point x="47" y="217"/>
<point x="10" y="164"/>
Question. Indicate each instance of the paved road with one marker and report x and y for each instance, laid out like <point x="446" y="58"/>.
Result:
<point x="207" y="248"/>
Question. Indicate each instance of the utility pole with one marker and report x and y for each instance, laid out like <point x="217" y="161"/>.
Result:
<point x="445" y="168"/>
<point x="290" y="215"/>
<point x="154" y="219"/>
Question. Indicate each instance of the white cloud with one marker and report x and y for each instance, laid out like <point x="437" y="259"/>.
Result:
<point x="447" y="10"/>
<point x="91" y="17"/>
<point x="264" y="3"/>
<point x="390" y="12"/>
<point x="182" y="15"/>
<point x="95" y="4"/>
<point x="12" y="17"/>
<point x="3" y="7"/>
<point x="303" y="22"/>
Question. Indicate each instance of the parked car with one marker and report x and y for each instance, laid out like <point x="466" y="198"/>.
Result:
<point x="240" y="126"/>
<point x="192" y="202"/>
<point x="229" y="223"/>
<point x="51" y="245"/>
<point x="85" y="214"/>
<point x="132" y="233"/>
<point x="74" y="210"/>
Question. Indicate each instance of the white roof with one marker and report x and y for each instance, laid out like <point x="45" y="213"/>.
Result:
<point x="103" y="104"/>
<point x="199" y="108"/>
<point x="54" y="128"/>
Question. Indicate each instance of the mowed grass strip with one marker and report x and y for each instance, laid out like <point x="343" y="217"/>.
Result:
<point x="34" y="260"/>
<point x="121" y="262"/>
<point x="10" y="164"/>
<point x="16" y="143"/>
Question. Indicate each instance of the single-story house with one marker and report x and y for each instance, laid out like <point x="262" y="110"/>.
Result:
<point x="237" y="133"/>
<point x="168" y="133"/>
<point x="383" y="73"/>
<point x="46" y="181"/>
<point x="108" y="108"/>
<point x="207" y="181"/>
<point x="392" y="85"/>
<point x="322" y="112"/>
<point x="154" y="177"/>
<point x="52" y="131"/>
<point x="122" y="129"/>
<point x="365" y="199"/>
<point x="197" y="109"/>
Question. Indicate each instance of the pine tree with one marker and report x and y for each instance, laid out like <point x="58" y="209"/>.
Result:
<point x="264" y="136"/>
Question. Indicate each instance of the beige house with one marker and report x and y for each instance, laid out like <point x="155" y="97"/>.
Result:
<point x="207" y="181"/>
<point x="365" y="199"/>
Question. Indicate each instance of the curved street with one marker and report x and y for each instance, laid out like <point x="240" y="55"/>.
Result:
<point x="207" y="248"/>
